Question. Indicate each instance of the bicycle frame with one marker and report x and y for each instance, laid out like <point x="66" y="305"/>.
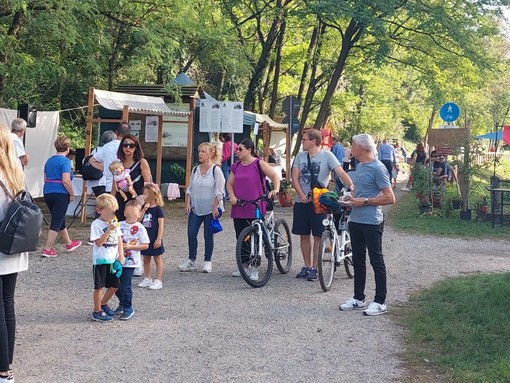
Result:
<point x="339" y="241"/>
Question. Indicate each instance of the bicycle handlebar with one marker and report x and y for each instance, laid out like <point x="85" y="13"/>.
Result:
<point x="252" y="202"/>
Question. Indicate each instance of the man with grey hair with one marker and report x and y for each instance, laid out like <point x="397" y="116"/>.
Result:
<point x="311" y="166"/>
<point x="18" y="128"/>
<point x="372" y="190"/>
<point x="108" y="153"/>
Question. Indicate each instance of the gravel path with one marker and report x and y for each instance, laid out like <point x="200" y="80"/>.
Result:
<point x="214" y="328"/>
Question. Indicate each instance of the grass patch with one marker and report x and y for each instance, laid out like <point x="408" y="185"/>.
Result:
<point x="405" y="216"/>
<point x="461" y="326"/>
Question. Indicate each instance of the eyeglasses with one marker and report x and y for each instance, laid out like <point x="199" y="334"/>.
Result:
<point x="239" y="149"/>
<point x="130" y="146"/>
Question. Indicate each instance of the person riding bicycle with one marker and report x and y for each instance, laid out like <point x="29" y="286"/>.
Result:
<point x="247" y="182"/>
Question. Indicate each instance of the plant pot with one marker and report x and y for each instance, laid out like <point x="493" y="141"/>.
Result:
<point x="456" y="203"/>
<point x="285" y="199"/>
<point x="465" y="215"/>
<point x="483" y="209"/>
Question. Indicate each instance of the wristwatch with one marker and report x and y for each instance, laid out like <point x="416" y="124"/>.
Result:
<point x="365" y="202"/>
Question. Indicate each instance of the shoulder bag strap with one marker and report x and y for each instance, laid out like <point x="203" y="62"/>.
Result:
<point x="262" y="176"/>
<point x="6" y="191"/>
<point x="313" y="181"/>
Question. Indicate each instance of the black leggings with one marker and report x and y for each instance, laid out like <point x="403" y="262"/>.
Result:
<point x="7" y="319"/>
<point x="57" y="204"/>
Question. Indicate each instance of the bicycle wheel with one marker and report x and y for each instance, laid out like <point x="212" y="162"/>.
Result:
<point x="348" y="256"/>
<point x="282" y="246"/>
<point x="326" y="260"/>
<point x="255" y="268"/>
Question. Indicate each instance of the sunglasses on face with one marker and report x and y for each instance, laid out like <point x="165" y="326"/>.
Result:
<point x="130" y="146"/>
<point x="239" y="149"/>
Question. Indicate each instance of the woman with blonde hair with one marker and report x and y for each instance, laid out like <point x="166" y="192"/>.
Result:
<point x="58" y="192"/>
<point x="13" y="180"/>
<point x="203" y="198"/>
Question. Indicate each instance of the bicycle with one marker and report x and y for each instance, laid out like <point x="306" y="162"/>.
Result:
<point x="334" y="248"/>
<point x="261" y="242"/>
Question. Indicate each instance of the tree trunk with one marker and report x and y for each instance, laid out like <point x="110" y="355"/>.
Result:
<point x="306" y="105"/>
<point x="13" y="31"/>
<point x="277" y="68"/>
<point x="112" y="62"/>
<point x="309" y="57"/>
<point x="350" y="38"/>
<point x="221" y="84"/>
<point x="263" y="61"/>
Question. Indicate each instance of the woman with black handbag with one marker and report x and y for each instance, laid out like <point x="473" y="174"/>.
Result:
<point x="13" y="178"/>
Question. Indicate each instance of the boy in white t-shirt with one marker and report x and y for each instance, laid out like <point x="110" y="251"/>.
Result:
<point x="135" y="238"/>
<point x="107" y="248"/>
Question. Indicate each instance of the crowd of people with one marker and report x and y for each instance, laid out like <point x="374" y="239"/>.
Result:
<point x="128" y="231"/>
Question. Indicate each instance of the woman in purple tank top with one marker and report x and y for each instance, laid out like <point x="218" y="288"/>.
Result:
<point x="247" y="182"/>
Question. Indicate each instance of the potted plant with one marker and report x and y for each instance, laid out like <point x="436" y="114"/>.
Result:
<point x="285" y="193"/>
<point x="422" y="179"/>
<point x="482" y="205"/>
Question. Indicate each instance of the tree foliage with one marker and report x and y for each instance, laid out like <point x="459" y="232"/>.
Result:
<point x="378" y="66"/>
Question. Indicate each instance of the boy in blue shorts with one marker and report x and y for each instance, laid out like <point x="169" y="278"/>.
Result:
<point x="135" y="238"/>
<point x="107" y="248"/>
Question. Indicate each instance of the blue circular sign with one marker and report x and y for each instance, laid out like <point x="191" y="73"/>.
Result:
<point x="449" y="112"/>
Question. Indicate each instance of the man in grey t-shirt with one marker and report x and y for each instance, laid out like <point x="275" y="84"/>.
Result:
<point x="305" y="221"/>
<point x="372" y="190"/>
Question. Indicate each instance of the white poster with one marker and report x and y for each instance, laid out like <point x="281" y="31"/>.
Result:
<point x="231" y="117"/>
<point x="151" y="128"/>
<point x="210" y="116"/>
<point x="175" y="128"/>
<point x="136" y="127"/>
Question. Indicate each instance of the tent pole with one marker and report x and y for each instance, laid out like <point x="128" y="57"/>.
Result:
<point x="189" y="154"/>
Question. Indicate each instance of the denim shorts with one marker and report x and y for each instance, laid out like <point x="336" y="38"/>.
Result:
<point x="305" y="220"/>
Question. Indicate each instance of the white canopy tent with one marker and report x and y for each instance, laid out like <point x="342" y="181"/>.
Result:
<point x="38" y="145"/>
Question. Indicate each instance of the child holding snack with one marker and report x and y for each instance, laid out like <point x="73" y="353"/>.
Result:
<point x="107" y="247"/>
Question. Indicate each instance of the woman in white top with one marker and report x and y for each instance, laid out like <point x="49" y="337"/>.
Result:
<point x="203" y="198"/>
<point x="13" y="178"/>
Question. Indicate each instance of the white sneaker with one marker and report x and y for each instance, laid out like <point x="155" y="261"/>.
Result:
<point x="146" y="282"/>
<point x="352" y="304"/>
<point x="236" y="273"/>
<point x="254" y="275"/>
<point x="188" y="265"/>
<point x="207" y="268"/>
<point x="138" y="271"/>
<point x="375" y="308"/>
<point x="156" y="285"/>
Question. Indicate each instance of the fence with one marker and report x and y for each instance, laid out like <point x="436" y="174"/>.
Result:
<point x="489" y="157"/>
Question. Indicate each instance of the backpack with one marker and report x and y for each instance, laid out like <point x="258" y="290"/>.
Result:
<point x="88" y="172"/>
<point x="213" y="171"/>
<point x="21" y="227"/>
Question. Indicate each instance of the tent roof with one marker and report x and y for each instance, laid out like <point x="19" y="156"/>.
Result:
<point x="260" y="118"/>
<point x="490" y="136"/>
<point x="136" y="103"/>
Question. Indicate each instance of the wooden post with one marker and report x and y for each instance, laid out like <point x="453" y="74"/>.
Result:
<point x="189" y="153"/>
<point x="159" y="154"/>
<point x="125" y="114"/>
<point x="88" y="143"/>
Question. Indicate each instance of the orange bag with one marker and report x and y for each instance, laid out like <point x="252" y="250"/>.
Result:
<point x="317" y="206"/>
